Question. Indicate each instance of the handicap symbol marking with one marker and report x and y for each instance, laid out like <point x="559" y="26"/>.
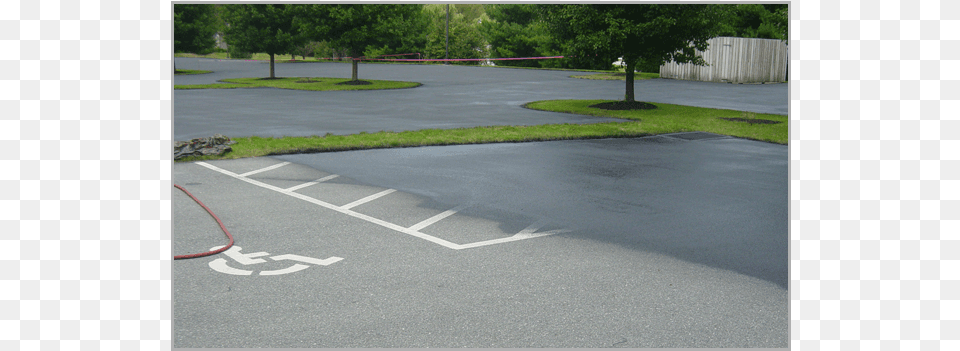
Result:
<point x="220" y="264"/>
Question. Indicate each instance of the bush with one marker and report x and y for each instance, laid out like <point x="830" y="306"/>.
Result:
<point x="237" y="54"/>
<point x="647" y="66"/>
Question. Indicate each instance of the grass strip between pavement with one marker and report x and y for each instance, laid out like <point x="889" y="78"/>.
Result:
<point x="668" y="118"/>
<point x="665" y="119"/>
<point x="300" y="83"/>
<point x="182" y="72"/>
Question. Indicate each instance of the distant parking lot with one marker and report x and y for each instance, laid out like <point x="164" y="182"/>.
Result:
<point x="451" y="97"/>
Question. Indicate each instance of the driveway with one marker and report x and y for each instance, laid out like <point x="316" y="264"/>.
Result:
<point x="451" y="97"/>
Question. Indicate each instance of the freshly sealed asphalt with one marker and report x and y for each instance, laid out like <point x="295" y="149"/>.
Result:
<point x="665" y="241"/>
<point x="450" y="97"/>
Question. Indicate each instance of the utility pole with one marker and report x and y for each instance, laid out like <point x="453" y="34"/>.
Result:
<point x="447" y="50"/>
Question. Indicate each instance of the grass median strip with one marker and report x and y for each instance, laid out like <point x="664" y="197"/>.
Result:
<point x="181" y="72"/>
<point x="666" y="118"/>
<point x="259" y="146"/>
<point x="300" y="83"/>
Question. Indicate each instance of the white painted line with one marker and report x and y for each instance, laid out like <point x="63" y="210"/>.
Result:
<point x="427" y="222"/>
<point x="307" y="259"/>
<point x="362" y="216"/>
<point x="291" y="269"/>
<point x="515" y="237"/>
<point x="367" y="199"/>
<point x="242" y="258"/>
<point x="265" y="169"/>
<point x="220" y="265"/>
<point x="526" y="233"/>
<point x="304" y="185"/>
<point x="531" y="228"/>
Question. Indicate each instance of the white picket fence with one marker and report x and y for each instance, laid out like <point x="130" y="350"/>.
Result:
<point x="735" y="60"/>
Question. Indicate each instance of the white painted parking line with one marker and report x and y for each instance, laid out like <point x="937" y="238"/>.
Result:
<point x="265" y="169"/>
<point x="294" y="268"/>
<point x="427" y="222"/>
<point x="334" y="207"/>
<point x="367" y="199"/>
<point x="304" y="185"/>
<point x="529" y="232"/>
<point x="220" y="265"/>
<point x="306" y="259"/>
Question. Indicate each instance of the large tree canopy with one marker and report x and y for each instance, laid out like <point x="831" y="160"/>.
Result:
<point x="466" y="41"/>
<point x="357" y="28"/>
<point x="767" y="21"/>
<point x="656" y="33"/>
<point x="266" y="28"/>
<point x="515" y="30"/>
<point x="194" y="27"/>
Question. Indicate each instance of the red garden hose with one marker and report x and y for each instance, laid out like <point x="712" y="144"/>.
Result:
<point x="208" y="253"/>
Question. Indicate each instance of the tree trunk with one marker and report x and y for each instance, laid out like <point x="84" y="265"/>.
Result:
<point x="353" y="69"/>
<point x="271" y="66"/>
<point x="631" y="63"/>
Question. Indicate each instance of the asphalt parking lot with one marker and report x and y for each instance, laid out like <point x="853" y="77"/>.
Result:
<point x="451" y="97"/>
<point x="659" y="242"/>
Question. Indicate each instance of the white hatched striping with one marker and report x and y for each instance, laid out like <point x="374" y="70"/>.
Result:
<point x="527" y="233"/>
<point x="367" y="199"/>
<point x="427" y="222"/>
<point x="265" y="169"/>
<point x="304" y="185"/>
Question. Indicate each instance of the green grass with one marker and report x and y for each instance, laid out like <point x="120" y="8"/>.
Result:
<point x="614" y="76"/>
<point x="190" y="71"/>
<point x="669" y="118"/>
<point x="300" y="83"/>
<point x="665" y="119"/>
<point x="216" y="55"/>
<point x="258" y="146"/>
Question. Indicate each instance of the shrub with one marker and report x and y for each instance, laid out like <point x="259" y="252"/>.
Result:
<point x="237" y="54"/>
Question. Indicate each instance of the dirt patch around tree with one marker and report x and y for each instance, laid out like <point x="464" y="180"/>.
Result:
<point x="751" y="120"/>
<point x="623" y="105"/>
<point x="355" y="82"/>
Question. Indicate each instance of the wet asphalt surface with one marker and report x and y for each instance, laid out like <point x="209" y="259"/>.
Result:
<point x="450" y="97"/>
<point x="665" y="241"/>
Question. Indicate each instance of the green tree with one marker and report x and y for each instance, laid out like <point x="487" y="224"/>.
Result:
<point x="408" y="34"/>
<point x="655" y="33"/>
<point x="356" y="29"/>
<point x="466" y="41"/>
<point x="194" y="27"/>
<point x="472" y="13"/>
<point x="515" y="30"/>
<point x="767" y="21"/>
<point x="263" y="28"/>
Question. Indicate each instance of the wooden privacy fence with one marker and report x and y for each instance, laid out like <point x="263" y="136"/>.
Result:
<point x="735" y="60"/>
